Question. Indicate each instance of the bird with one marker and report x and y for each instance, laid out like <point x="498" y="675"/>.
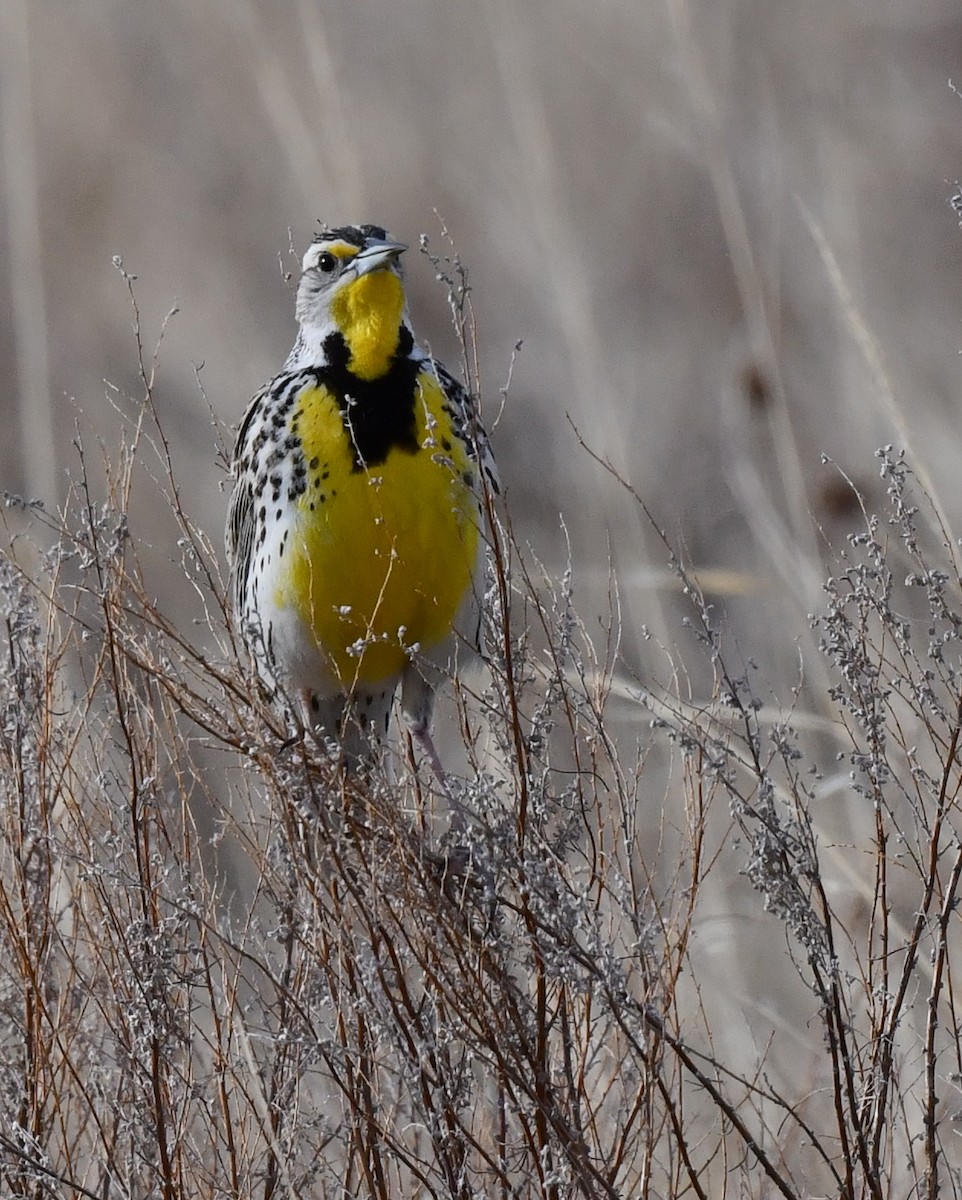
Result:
<point x="356" y="524"/>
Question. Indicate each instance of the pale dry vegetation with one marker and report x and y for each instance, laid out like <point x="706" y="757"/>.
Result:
<point x="699" y="935"/>
<point x="230" y="970"/>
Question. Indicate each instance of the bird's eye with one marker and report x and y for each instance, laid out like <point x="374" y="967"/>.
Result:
<point x="326" y="262"/>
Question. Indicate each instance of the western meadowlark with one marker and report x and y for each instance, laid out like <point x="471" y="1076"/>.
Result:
<point x="355" y="526"/>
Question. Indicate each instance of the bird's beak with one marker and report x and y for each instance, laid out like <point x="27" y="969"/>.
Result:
<point x="376" y="256"/>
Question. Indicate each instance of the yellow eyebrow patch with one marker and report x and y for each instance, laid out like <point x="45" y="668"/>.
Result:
<point x="341" y="249"/>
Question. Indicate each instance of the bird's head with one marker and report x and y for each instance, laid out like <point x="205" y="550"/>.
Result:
<point x="351" y="286"/>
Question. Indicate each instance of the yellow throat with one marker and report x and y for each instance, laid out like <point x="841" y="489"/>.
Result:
<point x="368" y="314"/>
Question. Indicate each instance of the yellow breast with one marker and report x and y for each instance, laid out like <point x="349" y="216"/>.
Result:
<point x="382" y="557"/>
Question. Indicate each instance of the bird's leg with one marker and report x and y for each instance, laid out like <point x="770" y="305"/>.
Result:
<point x="305" y="699"/>
<point x="421" y="733"/>
<point x="300" y="710"/>
<point x="417" y="704"/>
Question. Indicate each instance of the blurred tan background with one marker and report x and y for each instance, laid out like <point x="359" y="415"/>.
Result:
<point x="722" y="229"/>
<point x="638" y="191"/>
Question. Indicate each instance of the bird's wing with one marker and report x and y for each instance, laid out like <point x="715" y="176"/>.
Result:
<point x="239" y="537"/>
<point x="468" y="425"/>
